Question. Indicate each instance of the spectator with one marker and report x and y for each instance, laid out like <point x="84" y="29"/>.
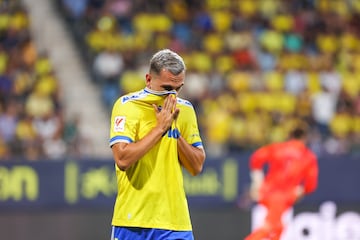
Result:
<point x="108" y="66"/>
<point x="323" y="110"/>
<point x="8" y="121"/>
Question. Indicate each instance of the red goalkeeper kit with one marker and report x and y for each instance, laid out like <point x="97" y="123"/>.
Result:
<point x="292" y="171"/>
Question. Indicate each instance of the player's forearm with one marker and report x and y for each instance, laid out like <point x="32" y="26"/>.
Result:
<point x="192" y="158"/>
<point x="127" y="154"/>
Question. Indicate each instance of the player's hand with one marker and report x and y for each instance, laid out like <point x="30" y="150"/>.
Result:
<point x="254" y="192"/>
<point x="299" y="192"/>
<point x="175" y="110"/>
<point x="167" y="114"/>
<point x="257" y="178"/>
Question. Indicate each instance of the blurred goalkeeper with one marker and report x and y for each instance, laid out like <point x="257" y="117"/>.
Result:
<point x="292" y="173"/>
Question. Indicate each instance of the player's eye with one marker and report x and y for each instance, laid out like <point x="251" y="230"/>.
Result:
<point x="168" y="88"/>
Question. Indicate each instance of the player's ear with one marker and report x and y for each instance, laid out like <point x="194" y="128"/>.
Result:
<point x="148" y="80"/>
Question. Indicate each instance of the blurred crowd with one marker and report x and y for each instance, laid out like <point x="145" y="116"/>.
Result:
<point x="32" y="125"/>
<point x="255" y="68"/>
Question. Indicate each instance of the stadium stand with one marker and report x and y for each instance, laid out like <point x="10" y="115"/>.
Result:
<point x="266" y="65"/>
<point x="80" y="98"/>
<point x="36" y="121"/>
<point x="31" y="113"/>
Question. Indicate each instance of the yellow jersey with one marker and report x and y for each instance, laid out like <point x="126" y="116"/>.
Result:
<point x="151" y="192"/>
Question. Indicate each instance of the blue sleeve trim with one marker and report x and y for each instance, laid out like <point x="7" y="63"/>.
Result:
<point x="197" y="144"/>
<point x="120" y="139"/>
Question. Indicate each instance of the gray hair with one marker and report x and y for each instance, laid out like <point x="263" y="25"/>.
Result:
<point x="167" y="59"/>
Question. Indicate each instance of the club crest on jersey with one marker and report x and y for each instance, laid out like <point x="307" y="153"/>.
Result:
<point x="119" y="123"/>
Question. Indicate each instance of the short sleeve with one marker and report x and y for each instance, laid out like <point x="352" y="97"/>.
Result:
<point x="123" y="123"/>
<point x="189" y="129"/>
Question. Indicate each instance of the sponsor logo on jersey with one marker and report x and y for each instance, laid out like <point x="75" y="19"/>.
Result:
<point x="119" y="123"/>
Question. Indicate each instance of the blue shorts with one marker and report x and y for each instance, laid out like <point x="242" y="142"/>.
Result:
<point x="136" y="233"/>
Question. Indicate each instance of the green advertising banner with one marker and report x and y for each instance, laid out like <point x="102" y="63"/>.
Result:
<point x="93" y="183"/>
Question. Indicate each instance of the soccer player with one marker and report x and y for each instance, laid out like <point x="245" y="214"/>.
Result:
<point x="153" y="135"/>
<point x="292" y="173"/>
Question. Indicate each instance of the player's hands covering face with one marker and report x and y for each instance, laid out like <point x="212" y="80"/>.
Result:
<point x="168" y="112"/>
